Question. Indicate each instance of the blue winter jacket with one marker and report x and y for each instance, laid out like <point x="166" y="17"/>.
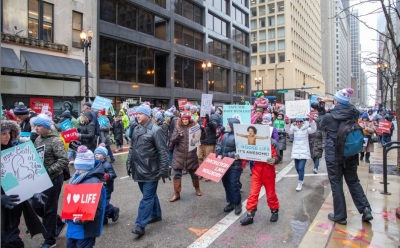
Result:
<point x="227" y="146"/>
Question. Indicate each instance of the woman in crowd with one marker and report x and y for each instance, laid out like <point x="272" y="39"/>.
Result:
<point x="279" y="124"/>
<point x="87" y="133"/>
<point x="368" y="130"/>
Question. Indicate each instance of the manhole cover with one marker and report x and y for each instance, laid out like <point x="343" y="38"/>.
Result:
<point x="378" y="168"/>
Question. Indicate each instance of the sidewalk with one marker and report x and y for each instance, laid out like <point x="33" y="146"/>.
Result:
<point x="382" y="232"/>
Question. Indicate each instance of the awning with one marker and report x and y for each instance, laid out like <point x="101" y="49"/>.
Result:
<point x="10" y="60"/>
<point x="38" y="62"/>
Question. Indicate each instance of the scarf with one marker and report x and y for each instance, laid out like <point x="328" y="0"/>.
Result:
<point x="77" y="178"/>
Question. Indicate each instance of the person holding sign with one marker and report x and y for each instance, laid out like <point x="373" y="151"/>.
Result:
<point x="105" y="135"/>
<point x="11" y="211"/>
<point x="368" y="130"/>
<point x="182" y="158"/>
<point x="226" y="147"/>
<point x="83" y="233"/>
<point x="301" y="148"/>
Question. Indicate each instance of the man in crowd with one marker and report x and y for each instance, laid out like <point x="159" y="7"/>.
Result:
<point x="22" y="113"/>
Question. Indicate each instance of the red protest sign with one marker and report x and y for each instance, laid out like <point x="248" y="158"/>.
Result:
<point x="37" y="104"/>
<point x="214" y="168"/>
<point x="182" y="103"/>
<point x="70" y="135"/>
<point x="385" y="126"/>
<point x="379" y="131"/>
<point x="81" y="201"/>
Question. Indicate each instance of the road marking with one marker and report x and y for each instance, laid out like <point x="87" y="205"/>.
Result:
<point x="308" y="175"/>
<point x="198" y="232"/>
<point x="214" y="232"/>
<point x="124" y="177"/>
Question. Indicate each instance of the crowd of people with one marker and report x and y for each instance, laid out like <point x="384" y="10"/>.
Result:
<point x="159" y="149"/>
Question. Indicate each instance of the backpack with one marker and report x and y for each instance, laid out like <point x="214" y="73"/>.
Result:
<point x="350" y="138"/>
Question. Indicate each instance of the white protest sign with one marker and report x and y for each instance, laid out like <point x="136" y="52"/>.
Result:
<point x="206" y="104"/>
<point x="194" y="137"/>
<point x="297" y="109"/>
<point x="23" y="172"/>
<point x="253" y="142"/>
<point x="45" y="108"/>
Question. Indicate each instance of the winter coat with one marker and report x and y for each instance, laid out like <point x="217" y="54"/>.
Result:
<point x="329" y="123"/>
<point x="118" y="130"/>
<point x="379" y="117"/>
<point x="88" y="135"/>
<point x="165" y="127"/>
<point x="316" y="144"/>
<point x="280" y="127"/>
<point x="105" y="135"/>
<point x="148" y="156"/>
<point x="125" y="121"/>
<point x="172" y="125"/>
<point x="90" y="229"/>
<point x="109" y="169"/>
<point x="210" y="136"/>
<point x="227" y="146"/>
<point x="301" y="148"/>
<point x="260" y="103"/>
<point x="182" y="158"/>
<point x="55" y="156"/>
<point x="368" y="130"/>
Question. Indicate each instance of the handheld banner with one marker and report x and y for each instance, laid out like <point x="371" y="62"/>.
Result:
<point x="297" y="109"/>
<point x="80" y="201"/>
<point x="253" y="142"/>
<point x="182" y="103"/>
<point x="23" y="172"/>
<point x="206" y="104"/>
<point x="385" y="126"/>
<point x="103" y="121"/>
<point x="25" y="134"/>
<point x="66" y="125"/>
<point x="37" y="104"/>
<point x="214" y="168"/>
<point x="101" y="103"/>
<point x="240" y="112"/>
<point x="70" y="135"/>
<point x="194" y="137"/>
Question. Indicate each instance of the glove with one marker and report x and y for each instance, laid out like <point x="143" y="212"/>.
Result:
<point x="271" y="161"/>
<point x="77" y="222"/>
<point x="9" y="201"/>
<point x="310" y="118"/>
<point x="163" y="175"/>
<point x="105" y="177"/>
<point x="207" y="118"/>
<point x="237" y="156"/>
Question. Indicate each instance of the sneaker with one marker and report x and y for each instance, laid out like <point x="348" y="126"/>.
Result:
<point x="332" y="218"/>
<point x="299" y="186"/>
<point x="367" y="161"/>
<point x="112" y="160"/>
<point x="116" y="214"/>
<point x="139" y="231"/>
<point x="315" y="171"/>
<point x="229" y="208"/>
<point x="367" y="215"/>
<point x="274" y="216"/>
<point x="248" y="219"/>
<point x="44" y="245"/>
<point x="155" y="219"/>
<point x="238" y="209"/>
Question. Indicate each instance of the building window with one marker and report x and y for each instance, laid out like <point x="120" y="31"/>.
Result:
<point x="271" y="58"/>
<point x="281" y="57"/>
<point x="253" y="12"/>
<point x="217" y="25"/>
<point x="271" y="46"/>
<point x="271" y="33"/>
<point x="254" y="48"/>
<point x="127" y="15"/>
<point x="242" y="17"/>
<point x="281" y="32"/>
<point x="254" y="60"/>
<point x="271" y="21"/>
<point x="40" y="20"/>
<point x="218" y="49"/>
<point x="271" y="8"/>
<point x="281" y="45"/>
<point x="188" y="37"/>
<point x="261" y="10"/>
<point x="107" y="60"/>
<point x="263" y="59"/>
<point x="240" y="57"/>
<point x="77" y="28"/>
<point x="262" y="22"/>
<point x="239" y="85"/>
<point x="281" y="6"/>
<point x="263" y="47"/>
<point x="253" y="24"/>
<point x="107" y="10"/>
<point x="240" y="36"/>
<point x="281" y="19"/>
<point x="222" y="5"/>
<point x="262" y="35"/>
<point x="189" y="11"/>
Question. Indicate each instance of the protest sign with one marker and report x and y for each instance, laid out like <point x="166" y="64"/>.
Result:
<point x="66" y="125"/>
<point x="37" y="104"/>
<point x="253" y="142"/>
<point x="240" y="112"/>
<point x="80" y="201"/>
<point x="214" y="168"/>
<point x="103" y="121"/>
<point x="23" y="172"/>
<point x="194" y="137"/>
<point x="70" y="135"/>
<point x="206" y="104"/>
<point x="45" y="108"/>
<point x="25" y="134"/>
<point x="385" y="126"/>
<point x="40" y="150"/>
<point x="182" y="103"/>
<point x="101" y="103"/>
<point x="297" y="109"/>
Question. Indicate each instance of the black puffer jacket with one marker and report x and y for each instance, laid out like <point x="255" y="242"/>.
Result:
<point x="88" y="135"/>
<point x="316" y="144"/>
<point x="210" y="137"/>
<point x="148" y="155"/>
<point x="329" y="123"/>
<point x="227" y="146"/>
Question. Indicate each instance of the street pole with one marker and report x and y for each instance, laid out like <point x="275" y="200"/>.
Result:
<point x="276" y="77"/>
<point x="206" y="68"/>
<point x="86" y="44"/>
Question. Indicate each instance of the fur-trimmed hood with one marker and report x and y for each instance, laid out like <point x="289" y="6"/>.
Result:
<point x="14" y="127"/>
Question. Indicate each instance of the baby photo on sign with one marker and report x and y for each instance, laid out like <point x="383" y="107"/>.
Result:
<point x="253" y="142"/>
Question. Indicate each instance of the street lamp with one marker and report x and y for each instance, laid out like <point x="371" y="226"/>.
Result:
<point x="276" y="72"/>
<point x="258" y="81"/>
<point x="86" y="44"/>
<point x="381" y="67"/>
<point x="206" y="68"/>
<point x="283" y="81"/>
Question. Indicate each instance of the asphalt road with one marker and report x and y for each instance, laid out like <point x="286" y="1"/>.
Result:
<point x="199" y="221"/>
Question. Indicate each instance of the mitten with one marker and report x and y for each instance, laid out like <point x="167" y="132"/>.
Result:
<point x="105" y="177"/>
<point x="271" y="161"/>
<point x="9" y="201"/>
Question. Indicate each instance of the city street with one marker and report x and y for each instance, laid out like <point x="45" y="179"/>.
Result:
<point x="186" y="222"/>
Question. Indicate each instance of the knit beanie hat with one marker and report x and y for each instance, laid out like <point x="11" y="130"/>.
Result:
<point x="168" y="113"/>
<point x="101" y="150"/>
<point x="267" y="116"/>
<point x="186" y="114"/>
<point x="44" y="119"/>
<point x="84" y="159"/>
<point x="258" y="94"/>
<point x="21" y="109"/>
<point x="343" y="95"/>
<point x="172" y="109"/>
<point x="159" y="115"/>
<point x="364" y="115"/>
<point x="187" y="106"/>
<point x="87" y="104"/>
<point x="144" y="109"/>
<point x="299" y="119"/>
<point x="102" y="112"/>
<point x="66" y="114"/>
<point x="259" y="110"/>
<point x="194" y="108"/>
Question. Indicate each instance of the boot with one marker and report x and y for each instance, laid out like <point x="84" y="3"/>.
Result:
<point x="361" y="156"/>
<point x="196" y="185"/>
<point x="367" y="215"/>
<point x="274" y="216"/>
<point x="367" y="157"/>
<point x="177" y="190"/>
<point x="249" y="218"/>
<point x="238" y="209"/>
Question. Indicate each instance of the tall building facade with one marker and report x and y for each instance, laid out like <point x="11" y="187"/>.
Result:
<point x="154" y="50"/>
<point x="355" y="55"/>
<point x="42" y="62"/>
<point x="286" y="47"/>
<point x="328" y="37"/>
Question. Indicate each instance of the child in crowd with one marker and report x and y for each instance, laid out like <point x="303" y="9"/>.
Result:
<point x="118" y="130"/>
<point x="83" y="233"/>
<point x="101" y="159"/>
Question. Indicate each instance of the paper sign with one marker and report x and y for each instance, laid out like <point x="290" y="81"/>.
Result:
<point x="297" y="109"/>
<point x="37" y="104"/>
<point x="25" y="134"/>
<point x="40" y="150"/>
<point x="101" y="103"/>
<point x="206" y="104"/>
<point x="103" y="121"/>
<point x="23" y="172"/>
<point x="253" y="142"/>
<point x="70" y="135"/>
<point x="45" y="108"/>
<point x="385" y="126"/>
<point x="194" y="137"/>
<point x="379" y="131"/>
<point x="182" y="103"/>
<point x="214" y="168"/>
<point x="74" y="145"/>
<point x="66" y="125"/>
<point x="240" y="112"/>
<point x="80" y="201"/>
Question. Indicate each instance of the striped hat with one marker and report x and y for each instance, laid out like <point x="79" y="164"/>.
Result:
<point x="84" y="159"/>
<point x="21" y="109"/>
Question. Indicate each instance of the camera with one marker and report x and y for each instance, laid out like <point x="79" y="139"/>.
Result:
<point x="319" y="106"/>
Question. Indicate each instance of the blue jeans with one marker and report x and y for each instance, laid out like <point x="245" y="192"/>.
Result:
<point x="231" y="182"/>
<point x="110" y="153"/>
<point x="316" y="163"/>
<point x="109" y="213"/>
<point x="386" y="138"/>
<point x="299" y="164"/>
<point x="81" y="243"/>
<point x="149" y="206"/>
